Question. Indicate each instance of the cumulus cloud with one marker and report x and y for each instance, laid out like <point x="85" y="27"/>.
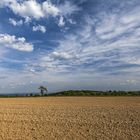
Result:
<point x="33" y="9"/>
<point x="15" y="22"/>
<point x="50" y="9"/>
<point x="28" y="8"/>
<point x="27" y="20"/>
<point x="6" y="2"/>
<point x="61" y="22"/>
<point x="39" y="28"/>
<point x="13" y="42"/>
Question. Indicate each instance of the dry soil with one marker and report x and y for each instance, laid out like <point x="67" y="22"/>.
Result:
<point x="69" y="118"/>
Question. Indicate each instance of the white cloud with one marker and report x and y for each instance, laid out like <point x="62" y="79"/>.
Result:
<point x="11" y="41"/>
<point x="29" y="9"/>
<point x="71" y="21"/>
<point x="20" y="22"/>
<point x="27" y="20"/>
<point x="62" y="55"/>
<point x="104" y="45"/>
<point x="50" y="9"/>
<point x="61" y="22"/>
<point x="68" y="8"/>
<point x="89" y="50"/>
<point x="15" y="23"/>
<point x="126" y="22"/>
<point x="39" y="28"/>
<point x="129" y="82"/>
<point x="6" y="2"/>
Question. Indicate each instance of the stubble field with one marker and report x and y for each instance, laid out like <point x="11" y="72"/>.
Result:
<point x="79" y="118"/>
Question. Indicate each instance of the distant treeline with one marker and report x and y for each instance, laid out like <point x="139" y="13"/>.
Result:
<point x="78" y="93"/>
<point x="96" y="93"/>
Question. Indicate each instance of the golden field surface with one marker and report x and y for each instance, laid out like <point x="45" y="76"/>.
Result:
<point x="69" y="118"/>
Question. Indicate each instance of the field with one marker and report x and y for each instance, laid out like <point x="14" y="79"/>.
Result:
<point x="80" y="118"/>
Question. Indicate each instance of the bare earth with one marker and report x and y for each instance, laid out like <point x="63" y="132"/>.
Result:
<point x="79" y="118"/>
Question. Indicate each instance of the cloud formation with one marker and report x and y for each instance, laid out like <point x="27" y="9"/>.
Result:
<point x="61" y="22"/>
<point x="13" y="42"/>
<point x="15" y="23"/>
<point x="87" y="44"/>
<point x="36" y="10"/>
<point x="39" y="28"/>
<point x="97" y="47"/>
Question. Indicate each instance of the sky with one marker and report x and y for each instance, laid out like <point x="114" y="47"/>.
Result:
<point x="69" y="44"/>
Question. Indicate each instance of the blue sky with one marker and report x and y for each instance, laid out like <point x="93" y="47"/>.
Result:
<point x="69" y="44"/>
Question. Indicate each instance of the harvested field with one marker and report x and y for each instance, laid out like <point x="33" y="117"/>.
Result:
<point x="80" y="118"/>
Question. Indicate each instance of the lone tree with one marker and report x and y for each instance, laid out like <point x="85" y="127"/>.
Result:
<point x="43" y="90"/>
